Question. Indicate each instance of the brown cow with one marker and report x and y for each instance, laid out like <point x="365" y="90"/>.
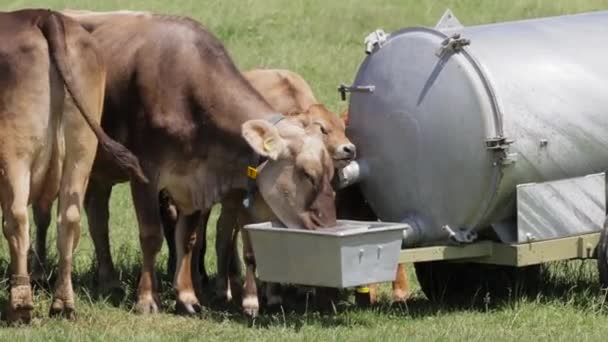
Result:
<point x="288" y="93"/>
<point x="46" y="148"/>
<point x="176" y="99"/>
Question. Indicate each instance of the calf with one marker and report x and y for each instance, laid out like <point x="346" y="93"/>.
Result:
<point x="46" y="148"/>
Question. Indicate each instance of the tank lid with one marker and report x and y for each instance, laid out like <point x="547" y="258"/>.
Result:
<point x="430" y="132"/>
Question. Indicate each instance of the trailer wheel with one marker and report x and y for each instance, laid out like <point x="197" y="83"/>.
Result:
<point x="466" y="283"/>
<point x="602" y="256"/>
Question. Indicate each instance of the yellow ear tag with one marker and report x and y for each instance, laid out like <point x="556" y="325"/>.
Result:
<point x="252" y="172"/>
<point x="268" y="145"/>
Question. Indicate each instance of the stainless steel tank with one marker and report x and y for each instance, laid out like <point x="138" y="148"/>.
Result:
<point x="447" y="125"/>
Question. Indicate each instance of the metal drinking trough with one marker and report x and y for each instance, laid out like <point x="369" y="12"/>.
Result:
<point x="352" y="253"/>
<point x="489" y="142"/>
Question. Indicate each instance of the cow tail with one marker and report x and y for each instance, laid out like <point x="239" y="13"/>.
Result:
<point x="53" y="29"/>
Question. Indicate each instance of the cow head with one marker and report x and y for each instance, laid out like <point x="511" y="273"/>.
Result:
<point x="341" y="149"/>
<point x="295" y="181"/>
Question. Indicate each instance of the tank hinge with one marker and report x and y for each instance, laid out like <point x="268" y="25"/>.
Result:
<point x="343" y="89"/>
<point x="500" y="145"/>
<point x="375" y="40"/>
<point x="452" y="44"/>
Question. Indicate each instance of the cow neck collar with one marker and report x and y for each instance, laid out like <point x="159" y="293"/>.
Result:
<point x="252" y="168"/>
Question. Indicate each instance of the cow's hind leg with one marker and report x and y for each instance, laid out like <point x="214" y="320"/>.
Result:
<point x="145" y="200"/>
<point x="68" y="224"/>
<point x="14" y="190"/>
<point x="96" y="201"/>
<point x="80" y="149"/>
<point x="185" y="239"/>
<point x="42" y="220"/>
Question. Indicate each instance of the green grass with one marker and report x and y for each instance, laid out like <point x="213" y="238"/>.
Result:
<point x="322" y="40"/>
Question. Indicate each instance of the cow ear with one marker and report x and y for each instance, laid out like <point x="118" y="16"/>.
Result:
<point x="264" y="138"/>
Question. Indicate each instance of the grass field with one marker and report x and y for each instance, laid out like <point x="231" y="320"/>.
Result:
<point x="322" y="40"/>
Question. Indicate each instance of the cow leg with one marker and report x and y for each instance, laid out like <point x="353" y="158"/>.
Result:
<point x="185" y="238"/>
<point x="168" y="216"/>
<point x="97" y="201"/>
<point x="42" y="220"/>
<point x="145" y="200"/>
<point x="198" y="253"/>
<point x="401" y="290"/>
<point x="14" y="190"/>
<point x="227" y="254"/>
<point x="251" y="303"/>
<point x="199" y="278"/>
<point x="71" y="198"/>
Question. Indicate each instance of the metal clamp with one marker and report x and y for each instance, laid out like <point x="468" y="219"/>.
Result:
<point x="375" y="40"/>
<point x="452" y="44"/>
<point x="343" y="89"/>
<point x="461" y="235"/>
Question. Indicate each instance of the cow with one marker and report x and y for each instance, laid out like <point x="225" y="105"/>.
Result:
<point x="288" y="93"/>
<point x="52" y="80"/>
<point x="175" y="98"/>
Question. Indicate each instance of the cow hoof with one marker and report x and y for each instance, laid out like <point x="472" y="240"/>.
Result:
<point x="20" y="315"/>
<point x="21" y="304"/>
<point x="64" y="309"/>
<point x="187" y="309"/>
<point x="187" y="303"/>
<point x="251" y="306"/>
<point x="146" y="306"/>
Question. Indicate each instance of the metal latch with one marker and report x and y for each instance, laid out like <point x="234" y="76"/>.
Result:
<point x="343" y="89"/>
<point x="498" y="143"/>
<point x="452" y="44"/>
<point x="375" y="40"/>
<point x="500" y="146"/>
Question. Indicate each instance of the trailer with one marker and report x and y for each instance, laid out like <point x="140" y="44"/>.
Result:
<point x="488" y="144"/>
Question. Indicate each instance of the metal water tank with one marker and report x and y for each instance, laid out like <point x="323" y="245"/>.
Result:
<point x="447" y="121"/>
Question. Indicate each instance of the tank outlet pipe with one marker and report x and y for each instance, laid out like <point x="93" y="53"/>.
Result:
<point x="352" y="173"/>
